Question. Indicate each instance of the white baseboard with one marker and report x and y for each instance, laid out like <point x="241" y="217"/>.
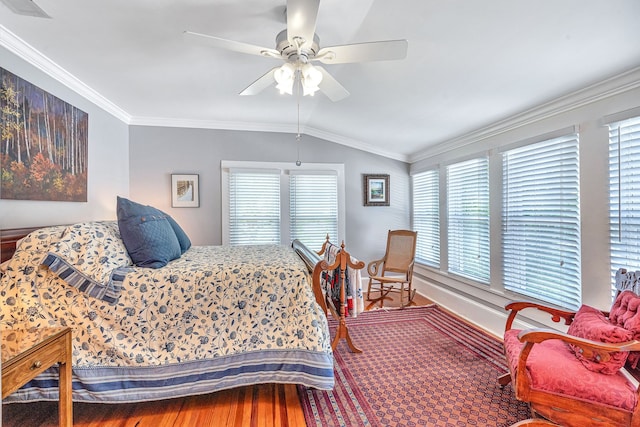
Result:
<point x="487" y="315"/>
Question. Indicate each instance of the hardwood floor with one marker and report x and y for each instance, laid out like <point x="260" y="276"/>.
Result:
<point x="266" y="405"/>
<point x="258" y="406"/>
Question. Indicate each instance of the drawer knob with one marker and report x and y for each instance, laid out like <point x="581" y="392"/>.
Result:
<point x="36" y="364"/>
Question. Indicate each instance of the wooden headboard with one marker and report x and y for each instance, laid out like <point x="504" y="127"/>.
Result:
<point x="9" y="238"/>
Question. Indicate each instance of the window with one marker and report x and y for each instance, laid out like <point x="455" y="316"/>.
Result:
<point x="254" y="207"/>
<point x="274" y="203"/>
<point x="426" y="217"/>
<point x="624" y="194"/>
<point x="468" y="219"/>
<point x="314" y="207"/>
<point x="541" y="221"/>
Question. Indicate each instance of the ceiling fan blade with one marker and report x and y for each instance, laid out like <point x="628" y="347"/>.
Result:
<point x="261" y="84"/>
<point x="25" y="7"/>
<point x="231" y="45"/>
<point x="330" y="86"/>
<point x="363" y="52"/>
<point x="301" y="20"/>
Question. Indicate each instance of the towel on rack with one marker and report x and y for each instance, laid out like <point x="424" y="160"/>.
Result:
<point x="330" y="282"/>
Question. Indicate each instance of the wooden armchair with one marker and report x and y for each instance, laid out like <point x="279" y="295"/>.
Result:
<point x="395" y="269"/>
<point x="575" y="378"/>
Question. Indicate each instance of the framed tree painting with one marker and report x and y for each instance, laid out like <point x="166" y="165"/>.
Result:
<point x="376" y="190"/>
<point x="43" y="144"/>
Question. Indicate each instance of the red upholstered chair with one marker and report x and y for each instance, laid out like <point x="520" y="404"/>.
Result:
<point x="582" y="377"/>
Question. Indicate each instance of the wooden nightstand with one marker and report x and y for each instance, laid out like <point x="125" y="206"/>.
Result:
<point x="27" y="353"/>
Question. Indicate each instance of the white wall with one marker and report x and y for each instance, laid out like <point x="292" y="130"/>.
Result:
<point x="108" y="170"/>
<point x="585" y="110"/>
<point x="157" y="152"/>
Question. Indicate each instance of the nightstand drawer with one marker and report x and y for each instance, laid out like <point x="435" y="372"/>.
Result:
<point x="28" y="353"/>
<point x="24" y="367"/>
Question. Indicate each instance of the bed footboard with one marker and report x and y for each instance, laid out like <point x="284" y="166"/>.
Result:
<point x="311" y="260"/>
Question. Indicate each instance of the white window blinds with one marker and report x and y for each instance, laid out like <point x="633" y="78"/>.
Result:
<point x="254" y="207"/>
<point x="426" y="217"/>
<point x="276" y="202"/>
<point x="541" y="221"/>
<point x="624" y="194"/>
<point x="468" y="219"/>
<point x="313" y="207"/>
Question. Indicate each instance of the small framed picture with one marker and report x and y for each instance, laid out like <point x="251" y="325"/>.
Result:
<point x="185" y="191"/>
<point x="376" y="190"/>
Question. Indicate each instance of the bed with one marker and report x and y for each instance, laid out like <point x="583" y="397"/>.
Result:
<point x="217" y="317"/>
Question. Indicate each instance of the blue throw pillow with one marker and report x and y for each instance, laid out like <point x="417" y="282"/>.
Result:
<point x="147" y="234"/>
<point x="183" y="239"/>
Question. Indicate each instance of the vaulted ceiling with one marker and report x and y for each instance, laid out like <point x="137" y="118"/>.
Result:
<point x="469" y="63"/>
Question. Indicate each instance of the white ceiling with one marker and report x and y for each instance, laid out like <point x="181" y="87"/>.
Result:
<point x="469" y="63"/>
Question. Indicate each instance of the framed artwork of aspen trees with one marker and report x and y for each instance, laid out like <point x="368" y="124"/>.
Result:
<point x="43" y="145"/>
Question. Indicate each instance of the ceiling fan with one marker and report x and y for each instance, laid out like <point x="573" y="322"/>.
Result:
<point x="298" y="46"/>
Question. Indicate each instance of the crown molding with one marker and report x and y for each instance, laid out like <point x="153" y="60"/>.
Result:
<point x="210" y="124"/>
<point x="264" y="127"/>
<point x="354" y="143"/>
<point x="23" y="50"/>
<point x="616" y="85"/>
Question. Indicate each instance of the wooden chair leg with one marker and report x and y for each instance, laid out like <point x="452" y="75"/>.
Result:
<point x="504" y="379"/>
<point x="410" y="295"/>
<point x="369" y="298"/>
<point x="384" y="292"/>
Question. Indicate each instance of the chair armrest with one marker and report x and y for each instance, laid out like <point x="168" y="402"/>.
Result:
<point x="589" y="348"/>
<point x="374" y="266"/>
<point x="556" y="314"/>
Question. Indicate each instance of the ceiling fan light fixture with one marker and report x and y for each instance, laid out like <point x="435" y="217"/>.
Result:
<point x="310" y="78"/>
<point x="285" y="77"/>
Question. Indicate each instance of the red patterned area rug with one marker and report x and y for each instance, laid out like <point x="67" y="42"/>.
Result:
<point x="420" y="367"/>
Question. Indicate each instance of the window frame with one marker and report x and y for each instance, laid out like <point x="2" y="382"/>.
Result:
<point x="617" y="166"/>
<point x="529" y="212"/>
<point x="485" y="281"/>
<point x="434" y="223"/>
<point x="284" y="169"/>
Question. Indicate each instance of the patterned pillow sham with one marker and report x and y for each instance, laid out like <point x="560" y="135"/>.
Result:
<point x="86" y="257"/>
<point x="625" y="313"/>
<point x="591" y="324"/>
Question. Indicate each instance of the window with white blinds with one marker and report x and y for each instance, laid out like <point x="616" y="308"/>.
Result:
<point x="541" y="221"/>
<point x="313" y="205"/>
<point x="624" y="194"/>
<point x="254" y="207"/>
<point x="276" y="202"/>
<point x="426" y="216"/>
<point x="468" y="219"/>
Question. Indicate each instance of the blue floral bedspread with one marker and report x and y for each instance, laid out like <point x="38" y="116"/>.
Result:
<point x="216" y="318"/>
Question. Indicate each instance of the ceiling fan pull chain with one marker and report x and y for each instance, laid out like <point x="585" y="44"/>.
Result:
<point x="298" y="162"/>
